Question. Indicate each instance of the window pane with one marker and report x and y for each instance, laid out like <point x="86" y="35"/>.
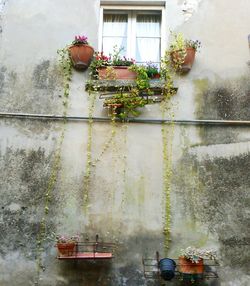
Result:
<point x="115" y="25"/>
<point x="148" y="50"/>
<point x="142" y="43"/>
<point x="108" y="44"/>
<point x="148" y="41"/>
<point x="148" y="25"/>
<point x="115" y="32"/>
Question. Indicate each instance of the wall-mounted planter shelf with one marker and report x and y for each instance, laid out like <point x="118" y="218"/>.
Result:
<point x="125" y="85"/>
<point x="151" y="269"/>
<point x="88" y="250"/>
<point x="86" y="255"/>
<point x="108" y="88"/>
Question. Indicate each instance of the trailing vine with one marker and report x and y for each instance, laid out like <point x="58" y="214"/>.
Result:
<point x="124" y="172"/>
<point x="126" y="100"/>
<point x="106" y="146"/>
<point x="167" y="138"/>
<point x="125" y="127"/>
<point x="66" y="68"/>
<point x="86" y="181"/>
<point x="142" y="79"/>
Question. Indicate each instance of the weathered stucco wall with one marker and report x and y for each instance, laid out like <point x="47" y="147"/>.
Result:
<point x="45" y="169"/>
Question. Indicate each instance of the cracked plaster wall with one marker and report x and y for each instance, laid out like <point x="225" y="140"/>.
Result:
<point x="189" y="7"/>
<point x="210" y="184"/>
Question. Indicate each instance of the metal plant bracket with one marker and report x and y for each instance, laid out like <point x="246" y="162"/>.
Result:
<point x="151" y="270"/>
<point x="89" y="250"/>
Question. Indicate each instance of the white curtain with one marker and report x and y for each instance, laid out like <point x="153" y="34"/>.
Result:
<point x="148" y="38"/>
<point x="114" y="32"/>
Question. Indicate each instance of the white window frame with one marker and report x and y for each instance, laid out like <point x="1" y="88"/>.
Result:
<point x="133" y="9"/>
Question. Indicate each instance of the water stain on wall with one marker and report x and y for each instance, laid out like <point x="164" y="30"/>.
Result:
<point x="24" y="179"/>
<point x="43" y="77"/>
<point x="214" y="192"/>
<point x="224" y="100"/>
<point x="39" y="92"/>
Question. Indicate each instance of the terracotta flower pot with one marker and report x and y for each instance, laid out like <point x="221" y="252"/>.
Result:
<point x="66" y="249"/>
<point x="156" y="76"/>
<point x="115" y="105"/>
<point x="81" y="56"/>
<point x="188" y="59"/>
<point x="118" y="72"/>
<point x="186" y="266"/>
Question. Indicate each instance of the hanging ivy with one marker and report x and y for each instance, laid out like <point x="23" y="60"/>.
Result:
<point x="66" y="68"/>
<point x="86" y="181"/>
<point x="167" y="139"/>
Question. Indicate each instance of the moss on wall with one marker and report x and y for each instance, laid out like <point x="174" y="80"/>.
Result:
<point x="24" y="178"/>
<point x="36" y="91"/>
<point x="224" y="100"/>
<point x="212" y="180"/>
<point x="224" y="201"/>
<point x="213" y="191"/>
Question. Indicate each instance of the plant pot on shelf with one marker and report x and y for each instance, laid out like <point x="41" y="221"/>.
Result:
<point x="115" y="105"/>
<point x="116" y="72"/>
<point x="66" y="249"/>
<point x="81" y="56"/>
<point x="187" y="61"/>
<point x="155" y="76"/>
<point x="167" y="268"/>
<point x="114" y="108"/>
<point x="186" y="266"/>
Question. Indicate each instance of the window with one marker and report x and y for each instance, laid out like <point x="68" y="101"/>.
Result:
<point x="138" y="30"/>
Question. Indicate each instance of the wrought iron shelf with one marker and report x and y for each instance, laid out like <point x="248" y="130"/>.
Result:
<point x="123" y="85"/>
<point x="89" y="250"/>
<point x="152" y="271"/>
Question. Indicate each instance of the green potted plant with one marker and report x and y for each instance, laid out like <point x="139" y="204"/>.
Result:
<point x="181" y="53"/>
<point x="191" y="259"/>
<point x="142" y="78"/>
<point x="128" y="98"/>
<point x="124" y="104"/>
<point x="152" y="71"/>
<point x="111" y="67"/>
<point x="80" y="53"/>
<point x="66" y="245"/>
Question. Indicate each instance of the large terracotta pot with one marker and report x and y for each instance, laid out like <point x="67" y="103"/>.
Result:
<point x="186" y="266"/>
<point x="66" y="249"/>
<point x="117" y="72"/>
<point x="81" y="56"/>
<point x="188" y="59"/>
